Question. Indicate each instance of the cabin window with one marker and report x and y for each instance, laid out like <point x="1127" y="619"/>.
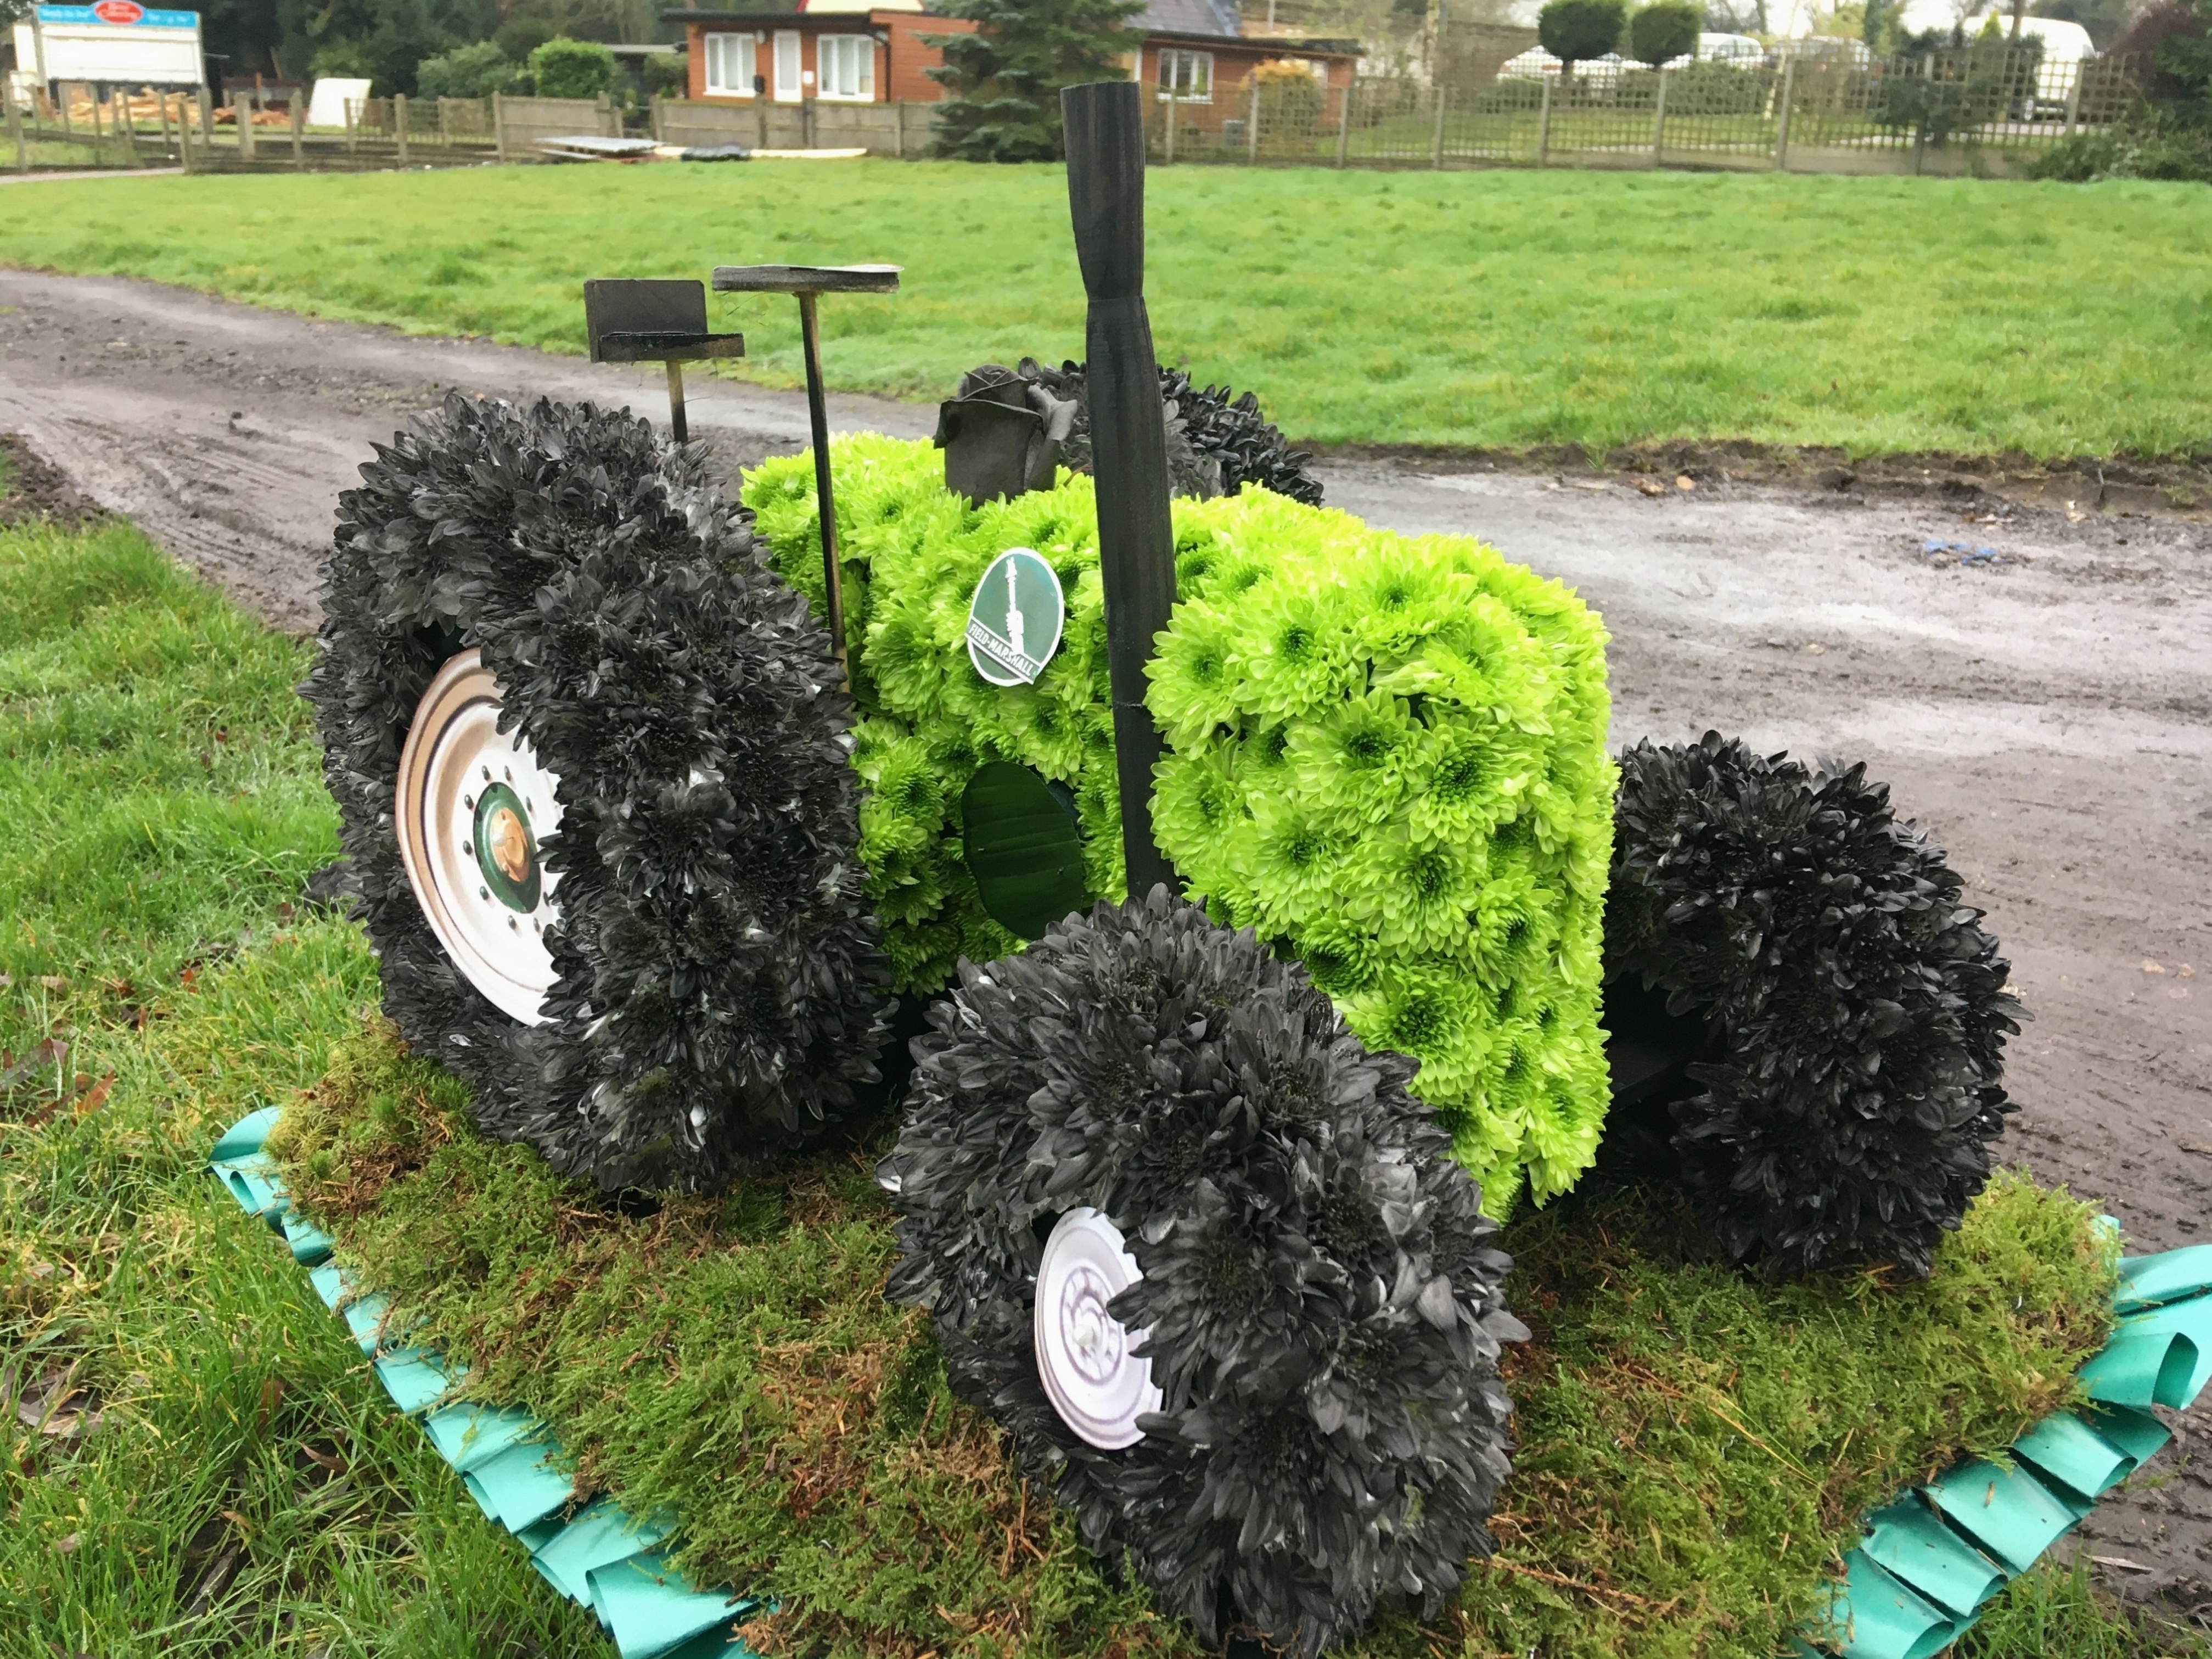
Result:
<point x="848" y="65"/>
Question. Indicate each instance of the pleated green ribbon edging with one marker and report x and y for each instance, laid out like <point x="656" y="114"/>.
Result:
<point x="1933" y="1558"/>
<point x="601" y="1557"/>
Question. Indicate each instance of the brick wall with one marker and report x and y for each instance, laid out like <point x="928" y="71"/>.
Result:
<point x="910" y="58"/>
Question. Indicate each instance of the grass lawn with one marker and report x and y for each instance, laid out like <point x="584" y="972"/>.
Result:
<point x="245" y="1487"/>
<point x="1492" y="309"/>
<point x="210" y="1468"/>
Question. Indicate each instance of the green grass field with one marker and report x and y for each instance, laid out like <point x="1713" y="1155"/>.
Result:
<point x="1486" y="309"/>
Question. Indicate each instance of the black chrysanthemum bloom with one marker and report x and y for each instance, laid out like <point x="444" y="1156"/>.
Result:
<point x="1321" y="1289"/>
<point x="719" y="994"/>
<point x="1858" y="1011"/>
<point x="1217" y="443"/>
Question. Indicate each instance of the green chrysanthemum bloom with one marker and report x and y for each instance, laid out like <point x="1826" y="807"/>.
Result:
<point x="1193" y="664"/>
<point x="1415" y="897"/>
<point x="1399" y="598"/>
<point x="1472" y="781"/>
<point x="1298" y="865"/>
<point x="1358" y="760"/>
<point x="1198" y="805"/>
<point x="1342" y="957"/>
<point x="1292" y="651"/>
<point x="1512" y="925"/>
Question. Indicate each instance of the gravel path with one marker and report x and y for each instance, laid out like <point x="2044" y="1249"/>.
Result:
<point x="2047" y="714"/>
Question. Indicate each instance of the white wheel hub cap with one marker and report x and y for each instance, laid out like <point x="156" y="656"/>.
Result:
<point x="1095" y="1384"/>
<point x="474" y="810"/>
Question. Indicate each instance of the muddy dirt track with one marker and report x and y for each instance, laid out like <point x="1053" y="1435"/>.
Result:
<point x="2047" y="713"/>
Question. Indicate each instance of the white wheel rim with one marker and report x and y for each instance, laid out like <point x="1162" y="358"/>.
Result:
<point x="1095" y="1384"/>
<point x="464" y="786"/>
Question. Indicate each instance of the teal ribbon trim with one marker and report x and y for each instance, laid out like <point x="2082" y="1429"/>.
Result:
<point x="1932" y="1560"/>
<point x="601" y="1557"/>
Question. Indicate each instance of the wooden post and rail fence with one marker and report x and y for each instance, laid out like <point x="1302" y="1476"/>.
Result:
<point x="1977" y="110"/>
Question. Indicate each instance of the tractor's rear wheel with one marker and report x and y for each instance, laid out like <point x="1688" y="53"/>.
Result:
<point x="590" y="759"/>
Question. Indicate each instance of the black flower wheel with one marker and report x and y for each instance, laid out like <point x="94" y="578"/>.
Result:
<point x="1213" y="1267"/>
<point x="590" y="761"/>
<point x="1216" y="442"/>
<point x="1856" y="1010"/>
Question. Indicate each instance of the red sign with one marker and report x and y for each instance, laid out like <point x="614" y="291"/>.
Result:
<point x="119" y="11"/>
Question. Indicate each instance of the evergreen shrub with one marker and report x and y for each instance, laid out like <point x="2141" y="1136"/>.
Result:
<point x="1577" y="31"/>
<point x="562" y="68"/>
<point x="476" y="70"/>
<point x="1387" y="755"/>
<point x="1003" y="79"/>
<point x="1664" y="31"/>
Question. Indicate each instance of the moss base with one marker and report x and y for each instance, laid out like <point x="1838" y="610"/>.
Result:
<point x="1696" y="1447"/>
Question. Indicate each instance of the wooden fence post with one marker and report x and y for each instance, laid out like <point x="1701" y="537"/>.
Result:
<point x="15" y="132"/>
<point x="161" y="105"/>
<point x="498" y="124"/>
<point x="1252" y="122"/>
<point x="242" y="118"/>
<point x="898" y="127"/>
<point x="2074" y="97"/>
<point x="1167" y="144"/>
<point x="298" y="130"/>
<point x="1544" y="122"/>
<point x="400" y="123"/>
<point x="1437" y="140"/>
<point x="610" y="123"/>
<point x="184" y="135"/>
<point x="1782" y="121"/>
<point x="205" y="99"/>
<point x="1659" y="118"/>
<point x="1344" y="126"/>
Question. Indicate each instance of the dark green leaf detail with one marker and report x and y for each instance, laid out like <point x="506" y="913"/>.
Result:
<point x="1023" y="848"/>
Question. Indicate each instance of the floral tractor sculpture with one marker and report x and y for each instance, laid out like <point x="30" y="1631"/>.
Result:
<point x="1265" y="878"/>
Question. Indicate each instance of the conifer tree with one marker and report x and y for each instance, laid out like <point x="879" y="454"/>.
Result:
<point x="1005" y="78"/>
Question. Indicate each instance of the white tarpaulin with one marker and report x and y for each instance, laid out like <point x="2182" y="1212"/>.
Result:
<point x="326" y="104"/>
<point x="119" y="42"/>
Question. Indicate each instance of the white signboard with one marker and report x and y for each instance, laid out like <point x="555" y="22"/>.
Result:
<point x="119" y="42"/>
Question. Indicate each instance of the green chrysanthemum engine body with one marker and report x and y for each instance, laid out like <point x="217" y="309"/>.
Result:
<point x="1387" y="754"/>
<point x="913" y="553"/>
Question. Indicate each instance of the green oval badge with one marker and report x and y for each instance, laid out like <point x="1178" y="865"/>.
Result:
<point x="1015" y="618"/>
